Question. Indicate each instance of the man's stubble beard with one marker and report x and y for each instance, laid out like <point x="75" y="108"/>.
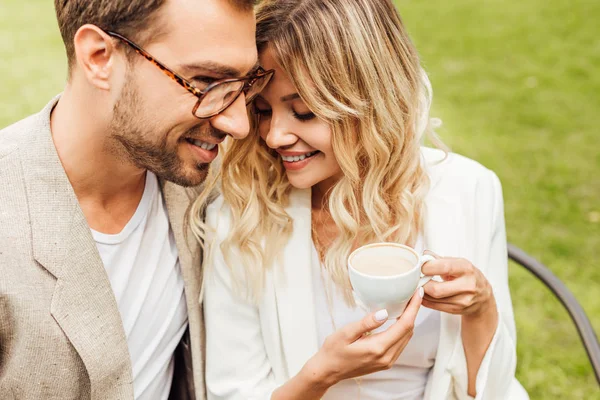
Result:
<point x="133" y="138"/>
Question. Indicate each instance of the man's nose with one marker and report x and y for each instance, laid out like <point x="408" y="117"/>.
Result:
<point x="234" y="119"/>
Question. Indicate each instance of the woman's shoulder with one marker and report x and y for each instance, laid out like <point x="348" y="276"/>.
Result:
<point x="452" y="165"/>
<point x="452" y="172"/>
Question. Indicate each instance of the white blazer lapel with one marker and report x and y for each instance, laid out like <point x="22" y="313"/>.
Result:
<point x="293" y="288"/>
<point x="445" y="234"/>
<point x="443" y="225"/>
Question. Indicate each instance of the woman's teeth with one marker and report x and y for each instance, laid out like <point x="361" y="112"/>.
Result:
<point x="298" y="158"/>
<point x="201" y="144"/>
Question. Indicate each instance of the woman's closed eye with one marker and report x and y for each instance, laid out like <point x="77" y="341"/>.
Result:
<point x="303" y="116"/>
<point x="263" y="112"/>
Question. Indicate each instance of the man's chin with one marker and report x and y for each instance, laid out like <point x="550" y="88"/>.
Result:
<point x="189" y="178"/>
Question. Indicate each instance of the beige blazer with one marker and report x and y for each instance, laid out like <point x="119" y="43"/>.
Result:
<point x="251" y="350"/>
<point x="61" y="335"/>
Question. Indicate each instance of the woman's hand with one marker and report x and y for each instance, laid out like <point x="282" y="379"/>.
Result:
<point x="465" y="290"/>
<point x="352" y="351"/>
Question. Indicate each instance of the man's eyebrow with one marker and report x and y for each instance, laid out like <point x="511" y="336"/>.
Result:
<point x="289" y="97"/>
<point x="213" y="68"/>
<point x="254" y="69"/>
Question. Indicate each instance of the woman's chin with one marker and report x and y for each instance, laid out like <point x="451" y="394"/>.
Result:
<point x="299" y="183"/>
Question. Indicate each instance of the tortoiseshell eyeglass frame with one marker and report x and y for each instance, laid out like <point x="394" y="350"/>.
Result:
<point x="190" y="87"/>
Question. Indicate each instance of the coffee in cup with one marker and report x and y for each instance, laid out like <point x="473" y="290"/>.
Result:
<point x="386" y="275"/>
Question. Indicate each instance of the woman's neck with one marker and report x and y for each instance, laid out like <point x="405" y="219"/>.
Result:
<point x="321" y="192"/>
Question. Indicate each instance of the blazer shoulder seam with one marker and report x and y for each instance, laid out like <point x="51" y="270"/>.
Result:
<point x="12" y="150"/>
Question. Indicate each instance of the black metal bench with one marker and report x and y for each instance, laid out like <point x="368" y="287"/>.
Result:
<point x="582" y="322"/>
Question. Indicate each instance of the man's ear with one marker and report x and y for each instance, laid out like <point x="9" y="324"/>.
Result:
<point x="95" y="54"/>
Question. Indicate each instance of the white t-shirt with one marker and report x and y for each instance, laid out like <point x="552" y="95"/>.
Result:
<point x="407" y="379"/>
<point x="143" y="268"/>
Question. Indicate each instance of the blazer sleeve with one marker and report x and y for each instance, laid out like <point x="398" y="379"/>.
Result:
<point x="496" y="375"/>
<point x="237" y="367"/>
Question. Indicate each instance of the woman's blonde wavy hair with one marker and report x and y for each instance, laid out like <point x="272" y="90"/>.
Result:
<point x="355" y="67"/>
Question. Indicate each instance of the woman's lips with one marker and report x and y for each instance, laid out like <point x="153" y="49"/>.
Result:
<point x="300" y="164"/>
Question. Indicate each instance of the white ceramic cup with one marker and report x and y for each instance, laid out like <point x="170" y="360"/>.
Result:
<point x="392" y="292"/>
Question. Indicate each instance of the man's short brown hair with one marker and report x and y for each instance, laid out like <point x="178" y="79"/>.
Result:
<point x="127" y="17"/>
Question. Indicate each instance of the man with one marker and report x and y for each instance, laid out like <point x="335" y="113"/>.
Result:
<point x="99" y="274"/>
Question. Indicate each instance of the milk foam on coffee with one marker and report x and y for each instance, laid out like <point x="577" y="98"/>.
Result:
<point x="381" y="261"/>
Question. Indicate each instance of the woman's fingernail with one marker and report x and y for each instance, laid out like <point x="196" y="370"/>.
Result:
<point x="381" y="315"/>
<point x="421" y="292"/>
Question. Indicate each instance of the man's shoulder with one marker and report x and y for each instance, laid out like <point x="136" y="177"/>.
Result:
<point x="14" y="136"/>
<point x="13" y="212"/>
<point x="21" y="134"/>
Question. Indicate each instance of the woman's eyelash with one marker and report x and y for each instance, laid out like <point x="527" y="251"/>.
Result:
<point x="304" y="117"/>
<point x="258" y="111"/>
<point x="300" y="117"/>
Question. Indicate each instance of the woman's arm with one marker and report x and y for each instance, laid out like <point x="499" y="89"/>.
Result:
<point x="307" y="385"/>
<point x="477" y="332"/>
<point x="466" y="292"/>
<point x="482" y="299"/>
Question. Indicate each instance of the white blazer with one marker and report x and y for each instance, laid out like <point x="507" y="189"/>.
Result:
<point x="252" y="350"/>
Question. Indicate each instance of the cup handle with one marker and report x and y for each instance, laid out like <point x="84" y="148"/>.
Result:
<point x="422" y="260"/>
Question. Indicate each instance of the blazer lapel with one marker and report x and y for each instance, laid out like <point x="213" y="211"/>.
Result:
<point x="442" y="226"/>
<point x="83" y="303"/>
<point x="293" y="287"/>
<point x="445" y="234"/>
<point x="178" y="200"/>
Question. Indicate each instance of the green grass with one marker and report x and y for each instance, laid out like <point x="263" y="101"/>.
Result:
<point x="517" y="86"/>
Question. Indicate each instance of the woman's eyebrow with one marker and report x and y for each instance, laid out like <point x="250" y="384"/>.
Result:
<point x="289" y="97"/>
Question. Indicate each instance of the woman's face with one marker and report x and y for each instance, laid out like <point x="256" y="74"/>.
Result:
<point x="289" y="127"/>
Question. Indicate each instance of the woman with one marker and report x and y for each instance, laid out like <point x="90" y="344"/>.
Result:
<point x="336" y="163"/>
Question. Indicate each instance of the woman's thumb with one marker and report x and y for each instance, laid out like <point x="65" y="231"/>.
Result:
<point x="367" y="324"/>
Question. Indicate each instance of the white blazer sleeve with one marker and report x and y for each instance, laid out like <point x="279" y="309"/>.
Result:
<point x="237" y="367"/>
<point x="496" y="375"/>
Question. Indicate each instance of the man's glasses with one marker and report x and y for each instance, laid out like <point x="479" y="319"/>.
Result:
<point x="217" y="96"/>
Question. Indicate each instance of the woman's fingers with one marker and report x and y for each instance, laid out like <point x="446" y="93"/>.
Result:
<point x="405" y="324"/>
<point x="446" y="289"/>
<point x="461" y="299"/>
<point x="448" y="308"/>
<point x="465" y="289"/>
<point x="354" y="331"/>
<point x="446" y="267"/>
<point x="463" y="303"/>
<point x="412" y="309"/>
<point x="354" y="354"/>
<point x="383" y="349"/>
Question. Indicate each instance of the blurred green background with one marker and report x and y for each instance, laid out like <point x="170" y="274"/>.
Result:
<point x="517" y="84"/>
